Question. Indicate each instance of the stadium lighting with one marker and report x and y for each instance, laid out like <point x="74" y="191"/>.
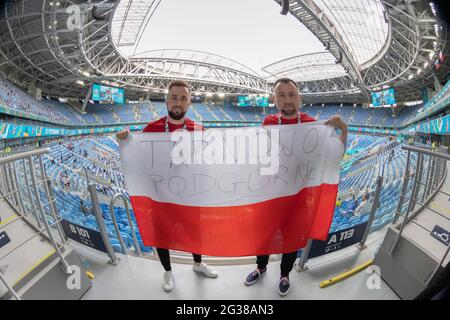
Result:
<point x="51" y="4"/>
<point x="433" y="7"/>
<point x="81" y="83"/>
<point x="436" y="30"/>
<point x="410" y="77"/>
<point x="425" y="64"/>
<point x="85" y="73"/>
<point x="431" y="55"/>
<point x="209" y="94"/>
<point x="221" y="95"/>
<point x="166" y="91"/>
<point x="419" y="70"/>
<point x="198" y="93"/>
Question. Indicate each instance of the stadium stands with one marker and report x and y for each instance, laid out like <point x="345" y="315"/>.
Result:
<point x="13" y="97"/>
<point x="72" y="162"/>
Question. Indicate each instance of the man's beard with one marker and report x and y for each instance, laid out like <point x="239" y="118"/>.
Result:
<point x="289" y="112"/>
<point x="177" y="116"/>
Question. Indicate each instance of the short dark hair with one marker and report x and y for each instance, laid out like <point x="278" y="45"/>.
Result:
<point x="179" y="83"/>
<point x="285" y="80"/>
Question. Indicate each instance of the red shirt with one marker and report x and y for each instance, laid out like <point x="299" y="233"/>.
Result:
<point x="272" y="119"/>
<point x="160" y="126"/>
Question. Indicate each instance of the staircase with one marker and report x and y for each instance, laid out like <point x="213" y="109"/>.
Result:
<point x="137" y="115"/>
<point x="197" y="115"/>
<point x="225" y="114"/>
<point x="212" y="113"/>
<point x="34" y="253"/>
<point x="97" y="118"/>
<point x="408" y="265"/>
<point x="115" y="116"/>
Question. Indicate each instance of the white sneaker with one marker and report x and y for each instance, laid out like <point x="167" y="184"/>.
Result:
<point x="168" y="281"/>
<point x="206" y="270"/>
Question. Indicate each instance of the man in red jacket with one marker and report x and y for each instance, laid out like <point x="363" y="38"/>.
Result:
<point x="288" y="101"/>
<point x="178" y="102"/>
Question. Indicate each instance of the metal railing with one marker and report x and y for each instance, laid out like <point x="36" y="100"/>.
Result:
<point x="301" y="265"/>
<point x="130" y="222"/>
<point x="426" y="184"/>
<point x="102" y="227"/>
<point x="25" y="186"/>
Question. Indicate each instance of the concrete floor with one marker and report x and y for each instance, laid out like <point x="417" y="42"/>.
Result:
<point x="140" y="278"/>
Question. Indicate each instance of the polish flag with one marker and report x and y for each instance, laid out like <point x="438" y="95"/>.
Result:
<point x="232" y="209"/>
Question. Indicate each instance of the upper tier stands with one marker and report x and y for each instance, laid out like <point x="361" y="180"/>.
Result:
<point x="12" y="96"/>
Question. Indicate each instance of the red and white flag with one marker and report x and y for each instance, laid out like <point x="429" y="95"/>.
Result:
<point x="234" y="192"/>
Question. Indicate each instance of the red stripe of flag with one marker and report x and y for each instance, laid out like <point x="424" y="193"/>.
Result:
<point x="274" y="226"/>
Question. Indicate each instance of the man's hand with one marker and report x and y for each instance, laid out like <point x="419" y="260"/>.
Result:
<point x="336" y="122"/>
<point x="121" y="135"/>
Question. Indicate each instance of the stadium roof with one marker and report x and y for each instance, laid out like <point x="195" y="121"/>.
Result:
<point x="130" y="20"/>
<point x="355" y="46"/>
<point x="232" y="29"/>
<point x="362" y="23"/>
<point x="308" y="67"/>
<point x="141" y="25"/>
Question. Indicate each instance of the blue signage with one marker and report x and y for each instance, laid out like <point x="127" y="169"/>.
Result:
<point x="80" y="234"/>
<point x="337" y="240"/>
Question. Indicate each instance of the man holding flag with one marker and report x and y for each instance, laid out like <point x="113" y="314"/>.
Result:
<point x="288" y="101"/>
<point x="178" y="102"/>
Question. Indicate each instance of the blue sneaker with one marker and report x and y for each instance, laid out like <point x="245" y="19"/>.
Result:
<point x="283" y="286"/>
<point x="254" y="276"/>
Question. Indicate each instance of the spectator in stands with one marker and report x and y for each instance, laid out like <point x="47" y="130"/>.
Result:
<point x="178" y="102"/>
<point x="353" y="196"/>
<point x="434" y="146"/>
<point x="391" y="155"/>
<point x="364" y="207"/>
<point x="366" y="193"/>
<point x="287" y="99"/>
<point x="338" y="202"/>
<point x="84" y="208"/>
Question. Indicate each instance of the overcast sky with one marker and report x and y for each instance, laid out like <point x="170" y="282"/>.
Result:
<point x="252" y="32"/>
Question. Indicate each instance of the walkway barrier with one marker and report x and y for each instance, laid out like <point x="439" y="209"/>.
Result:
<point x="25" y="186"/>
<point x="416" y="245"/>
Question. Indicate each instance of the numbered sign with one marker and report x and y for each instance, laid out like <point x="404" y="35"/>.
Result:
<point x="85" y="236"/>
<point x="4" y="239"/>
<point x="441" y="234"/>
<point x="338" y="240"/>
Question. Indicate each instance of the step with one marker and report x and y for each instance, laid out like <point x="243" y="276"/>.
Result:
<point x="51" y="283"/>
<point x="28" y="256"/>
<point x="407" y="270"/>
